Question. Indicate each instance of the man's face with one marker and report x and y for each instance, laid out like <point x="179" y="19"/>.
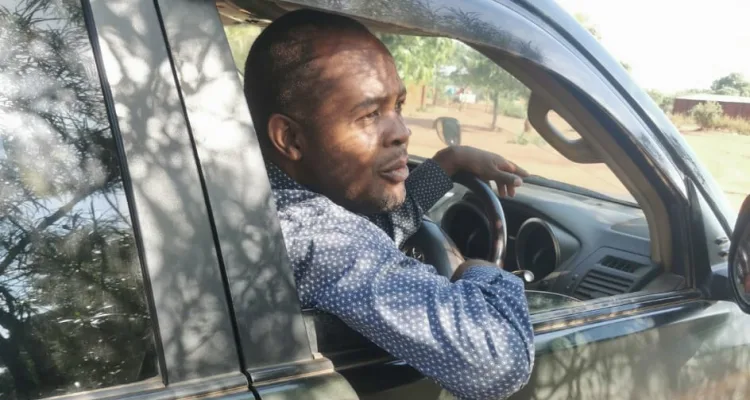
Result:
<point x="356" y="144"/>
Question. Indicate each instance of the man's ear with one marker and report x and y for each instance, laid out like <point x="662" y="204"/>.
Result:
<point x="285" y="136"/>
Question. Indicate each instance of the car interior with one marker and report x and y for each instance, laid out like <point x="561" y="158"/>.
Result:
<point x="579" y="246"/>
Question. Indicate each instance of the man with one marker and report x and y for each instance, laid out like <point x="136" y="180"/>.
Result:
<point x="326" y="101"/>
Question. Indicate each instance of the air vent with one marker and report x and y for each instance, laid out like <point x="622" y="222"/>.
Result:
<point x="620" y="264"/>
<point x="598" y="283"/>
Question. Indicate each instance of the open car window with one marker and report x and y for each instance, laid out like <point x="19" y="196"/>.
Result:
<point x="446" y="78"/>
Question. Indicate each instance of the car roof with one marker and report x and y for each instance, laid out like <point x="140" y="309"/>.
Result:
<point x="262" y="12"/>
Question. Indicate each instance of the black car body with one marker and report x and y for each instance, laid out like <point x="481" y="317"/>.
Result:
<point x="220" y="294"/>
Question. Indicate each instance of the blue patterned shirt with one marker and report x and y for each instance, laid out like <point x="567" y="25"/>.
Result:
<point x="472" y="336"/>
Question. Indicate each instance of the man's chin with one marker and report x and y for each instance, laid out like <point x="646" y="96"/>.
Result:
<point x="392" y="201"/>
<point x="379" y="202"/>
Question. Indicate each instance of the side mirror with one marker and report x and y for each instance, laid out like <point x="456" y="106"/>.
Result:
<point x="448" y="130"/>
<point x="739" y="258"/>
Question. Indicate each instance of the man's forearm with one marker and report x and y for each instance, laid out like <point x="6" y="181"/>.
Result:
<point x="472" y="336"/>
<point x="448" y="159"/>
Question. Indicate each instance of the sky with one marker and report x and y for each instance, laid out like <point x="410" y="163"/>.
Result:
<point x="673" y="44"/>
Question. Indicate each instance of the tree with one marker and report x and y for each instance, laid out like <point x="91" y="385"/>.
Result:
<point x="733" y="84"/>
<point x="241" y="38"/>
<point x="418" y="58"/>
<point x="481" y="73"/>
<point x="585" y="21"/>
<point x="664" y="101"/>
<point x="627" y="66"/>
<point x="71" y="307"/>
<point x="707" y="114"/>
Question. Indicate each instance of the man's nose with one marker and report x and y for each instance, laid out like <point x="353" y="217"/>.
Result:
<point x="397" y="133"/>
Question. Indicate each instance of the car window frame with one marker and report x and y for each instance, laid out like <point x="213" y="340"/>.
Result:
<point x="559" y="57"/>
<point x="267" y="358"/>
<point x="181" y="373"/>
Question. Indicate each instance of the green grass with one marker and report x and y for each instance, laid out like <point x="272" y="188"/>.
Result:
<point x="682" y="120"/>
<point x="724" y="123"/>
<point x="522" y="139"/>
<point x="512" y="109"/>
<point x="735" y="125"/>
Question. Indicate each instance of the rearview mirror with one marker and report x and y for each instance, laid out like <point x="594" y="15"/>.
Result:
<point x="448" y="130"/>
<point x="739" y="258"/>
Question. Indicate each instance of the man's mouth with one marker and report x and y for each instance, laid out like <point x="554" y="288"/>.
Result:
<point x="396" y="171"/>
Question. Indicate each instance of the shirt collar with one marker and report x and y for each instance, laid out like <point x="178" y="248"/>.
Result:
<point x="280" y="180"/>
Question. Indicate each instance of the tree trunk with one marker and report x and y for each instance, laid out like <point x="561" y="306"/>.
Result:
<point x="10" y="355"/>
<point x="424" y="93"/>
<point x="435" y="94"/>
<point x="43" y="372"/>
<point x="495" y="109"/>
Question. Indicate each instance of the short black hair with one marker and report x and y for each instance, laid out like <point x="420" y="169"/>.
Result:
<point x="279" y="77"/>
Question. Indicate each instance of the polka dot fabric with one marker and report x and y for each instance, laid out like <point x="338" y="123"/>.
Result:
<point x="472" y="336"/>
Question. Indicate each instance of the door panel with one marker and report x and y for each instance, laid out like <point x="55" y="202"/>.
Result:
<point x="686" y="352"/>
<point x="694" y="350"/>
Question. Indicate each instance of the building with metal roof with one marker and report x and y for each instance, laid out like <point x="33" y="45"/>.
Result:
<point x="734" y="106"/>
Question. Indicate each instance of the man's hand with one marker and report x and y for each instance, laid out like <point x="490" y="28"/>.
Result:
<point x="485" y="165"/>
<point x="464" y="266"/>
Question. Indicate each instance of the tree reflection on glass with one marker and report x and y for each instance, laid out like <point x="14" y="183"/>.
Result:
<point x="73" y="315"/>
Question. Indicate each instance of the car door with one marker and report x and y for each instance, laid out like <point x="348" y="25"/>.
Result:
<point x="623" y="347"/>
<point x="109" y="282"/>
<point x="604" y="348"/>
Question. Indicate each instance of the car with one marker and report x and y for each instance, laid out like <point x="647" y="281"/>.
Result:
<point x="141" y="255"/>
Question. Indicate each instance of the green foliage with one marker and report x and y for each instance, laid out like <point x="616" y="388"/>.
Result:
<point x="418" y="57"/>
<point x="663" y="100"/>
<point x="733" y="84"/>
<point x="72" y="310"/>
<point x="520" y="140"/>
<point x="728" y="91"/>
<point x="587" y="24"/>
<point x="681" y="120"/>
<point x="734" y="125"/>
<point x="513" y="109"/>
<point x="483" y="75"/>
<point x="524" y="138"/>
<point x="585" y="21"/>
<point x="241" y="38"/>
<point x="707" y="115"/>
<point x="690" y="91"/>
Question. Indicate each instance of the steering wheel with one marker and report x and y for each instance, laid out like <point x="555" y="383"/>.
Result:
<point x="431" y="245"/>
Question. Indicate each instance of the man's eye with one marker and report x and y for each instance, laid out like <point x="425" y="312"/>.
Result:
<point x="372" y="115"/>
<point x="400" y="106"/>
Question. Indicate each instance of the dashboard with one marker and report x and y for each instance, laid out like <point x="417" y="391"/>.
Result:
<point x="575" y="245"/>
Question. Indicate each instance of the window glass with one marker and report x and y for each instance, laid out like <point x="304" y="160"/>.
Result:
<point x="73" y="314"/>
<point x="446" y="78"/>
<point x="707" y="98"/>
<point x="486" y="107"/>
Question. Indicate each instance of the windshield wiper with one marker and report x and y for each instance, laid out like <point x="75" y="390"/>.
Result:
<point x="540" y="181"/>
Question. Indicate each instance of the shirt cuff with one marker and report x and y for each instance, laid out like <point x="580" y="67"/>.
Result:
<point x="490" y="274"/>
<point x="428" y="183"/>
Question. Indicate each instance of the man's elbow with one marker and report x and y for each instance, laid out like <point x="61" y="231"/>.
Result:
<point x="497" y="379"/>
<point x="509" y="380"/>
